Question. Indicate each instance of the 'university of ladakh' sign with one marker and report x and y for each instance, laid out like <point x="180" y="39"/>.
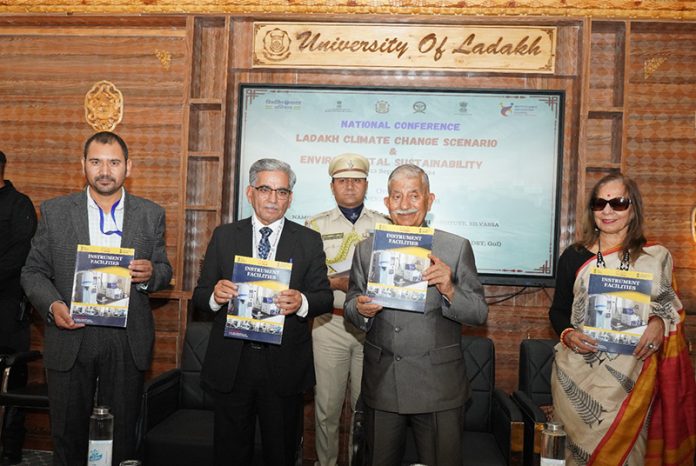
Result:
<point x="513" y="49"/>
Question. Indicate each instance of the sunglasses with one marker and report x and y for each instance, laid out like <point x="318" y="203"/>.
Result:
<point x="618" y="204"/>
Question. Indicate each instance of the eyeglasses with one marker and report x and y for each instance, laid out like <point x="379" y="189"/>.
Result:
<point x="618" y="204"/>
<point x="266" y="191"/>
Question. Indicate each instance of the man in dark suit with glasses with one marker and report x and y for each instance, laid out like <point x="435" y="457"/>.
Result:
<point x="247" y="379"/>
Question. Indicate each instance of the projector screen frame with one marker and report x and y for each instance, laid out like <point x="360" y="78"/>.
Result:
<point x="486" y="278"/>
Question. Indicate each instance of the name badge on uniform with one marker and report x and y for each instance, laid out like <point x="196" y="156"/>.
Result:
<point x="331" y="236"/>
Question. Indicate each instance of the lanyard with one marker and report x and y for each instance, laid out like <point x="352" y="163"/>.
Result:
<point x="113" y="216"/>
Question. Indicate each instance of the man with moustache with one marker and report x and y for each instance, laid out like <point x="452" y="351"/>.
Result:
<point x="413" y="363"/>
<point x="81" y="360"/>
<point x="338" y="344"/>
<point x="250" y="380"/>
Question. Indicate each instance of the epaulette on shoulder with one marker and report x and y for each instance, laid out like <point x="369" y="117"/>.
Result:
<point x="326" y="213"/>
<point x="312" y="221"/>
<point x="377" y="213"/>
<point x="318" y="216"/>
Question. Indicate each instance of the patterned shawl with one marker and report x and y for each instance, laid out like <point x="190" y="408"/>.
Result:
<point x="604" y="399"/>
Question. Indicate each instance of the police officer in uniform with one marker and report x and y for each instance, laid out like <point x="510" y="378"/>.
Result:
<point x="338" y="345"/>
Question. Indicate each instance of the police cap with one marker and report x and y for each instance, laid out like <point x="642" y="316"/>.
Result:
<point x="349" y="166"/>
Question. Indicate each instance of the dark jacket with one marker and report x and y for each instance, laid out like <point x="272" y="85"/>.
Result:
<point x="292" y="363"/>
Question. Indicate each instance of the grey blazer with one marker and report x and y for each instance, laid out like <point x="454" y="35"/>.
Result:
<point x="413" y="362"/>
<point x="48" y="273"/>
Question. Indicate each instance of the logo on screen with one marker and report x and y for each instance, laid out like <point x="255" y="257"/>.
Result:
<point x="339" y="108"/>
<point x="506" y="109"/>
<point x="276" y="45"/>
<point x="419" y="107"/>
<point x="382" y="106"/>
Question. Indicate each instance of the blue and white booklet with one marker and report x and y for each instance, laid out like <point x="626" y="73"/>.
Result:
<point x="101" y="286"/>
<point x="618" y="308"/>
<point x="253" y="314"/>
<point x="399" y="257"/>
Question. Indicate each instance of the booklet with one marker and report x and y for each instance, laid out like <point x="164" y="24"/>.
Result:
<point x="618" y="308"/>
<point x="399" y="257"/>
<point x="253" y="314"/>
<point x="101" y="287"/>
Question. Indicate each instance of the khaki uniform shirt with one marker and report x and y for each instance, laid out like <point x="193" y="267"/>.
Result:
<point x="340" y="237"/>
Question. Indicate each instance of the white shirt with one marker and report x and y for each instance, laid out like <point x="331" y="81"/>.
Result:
<point x="113" y="221"/>
<point x="277" y="228"/>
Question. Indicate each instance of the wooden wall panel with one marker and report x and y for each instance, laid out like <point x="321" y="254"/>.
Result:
<point x="603" y="139"/>
<point x="168" y="335"/>
<point x="208" y="38"/>
<point x="196" y="242"/>
<point x="644" y="9"/>
<point x="661" y="152"/>
<point x="45" y="75"/>
<point x="606" y="68"/>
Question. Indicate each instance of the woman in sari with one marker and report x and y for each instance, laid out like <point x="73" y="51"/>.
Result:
<point x="621" y="409"/>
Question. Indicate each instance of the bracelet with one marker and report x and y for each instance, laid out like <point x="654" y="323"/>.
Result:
<point x="564" y="333"/>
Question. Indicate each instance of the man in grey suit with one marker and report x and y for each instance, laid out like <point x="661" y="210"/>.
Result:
<point x="81" y="359"/>
<point x="413" y="366"/>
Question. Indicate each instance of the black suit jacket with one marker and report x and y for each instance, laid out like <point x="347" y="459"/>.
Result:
<point x="291" y="363"/>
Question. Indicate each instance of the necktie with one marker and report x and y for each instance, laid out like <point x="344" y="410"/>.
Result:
<point x="264" y="244"/>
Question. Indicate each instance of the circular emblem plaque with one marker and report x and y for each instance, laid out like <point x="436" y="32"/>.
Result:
<point x="104" y="106"/>
<point x="276" y="45"/>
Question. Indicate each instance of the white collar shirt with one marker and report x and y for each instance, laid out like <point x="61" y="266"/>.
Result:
<point x="112" y="222"/>
<point x="277" y="230"/>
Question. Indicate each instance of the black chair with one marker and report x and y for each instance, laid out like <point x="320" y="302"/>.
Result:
<point x="534" y="393"/>
<point x="177" y="415"/>
<point x="31" y="396"/>
<point x="177" y="419"/>
<point x="493" y="429"/>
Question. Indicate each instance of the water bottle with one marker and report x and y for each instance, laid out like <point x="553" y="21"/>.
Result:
<point x="553" y="440"/>
<point x="101" y="437"/>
